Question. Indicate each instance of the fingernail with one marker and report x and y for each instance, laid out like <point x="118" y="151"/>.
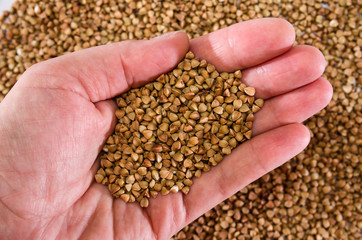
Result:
<point x="166" y="35"/>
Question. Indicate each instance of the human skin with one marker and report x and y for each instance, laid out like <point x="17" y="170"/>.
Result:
<point x="54" y="122"/>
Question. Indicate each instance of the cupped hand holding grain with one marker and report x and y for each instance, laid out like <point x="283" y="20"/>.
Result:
<point x="55" y="120"/>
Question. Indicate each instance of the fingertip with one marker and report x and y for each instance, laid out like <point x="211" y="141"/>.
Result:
<point x="325" y="92"/>
<point x="313" y="60"/>
<point x="181" y="43"/>
<point x="280" y="36"/>
<point x="106" y="108"/>
<point x="107" y="120"/>
<point x="295" y="137"/>
<point x="328" y="90"/>
<point x="178" y="41"/>
<point x="302" y="136"/>
<point x="287" y="141"/>
<point x="164" y="53"/>
<point x="321" y="60"/>
<point x="286" y="29"/>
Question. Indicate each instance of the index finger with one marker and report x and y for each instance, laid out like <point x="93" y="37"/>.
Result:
<point x="245" y="44"/>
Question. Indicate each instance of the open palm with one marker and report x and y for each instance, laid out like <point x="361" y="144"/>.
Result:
<point x="55" y="120"/>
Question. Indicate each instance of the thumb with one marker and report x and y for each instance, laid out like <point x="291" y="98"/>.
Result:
<point x="100" y="73"/>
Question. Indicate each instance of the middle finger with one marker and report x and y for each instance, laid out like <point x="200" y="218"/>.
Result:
<point x="298" y="67"/>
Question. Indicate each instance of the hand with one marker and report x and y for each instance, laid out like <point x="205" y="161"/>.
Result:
<point x="55" y="120"/>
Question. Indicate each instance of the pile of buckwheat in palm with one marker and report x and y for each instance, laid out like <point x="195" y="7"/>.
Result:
<point x="174" y="128"/>
<point x="317" y="195"/>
